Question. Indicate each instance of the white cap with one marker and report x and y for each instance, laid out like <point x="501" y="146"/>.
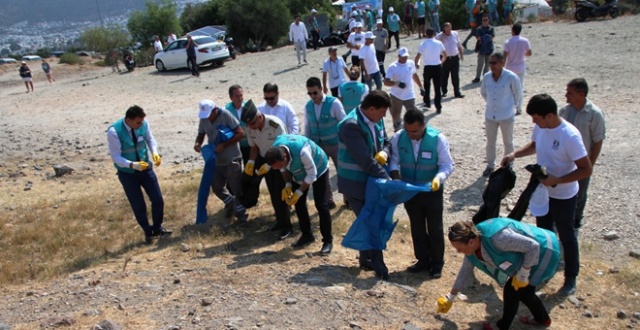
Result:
<point x="367" y="7"/>
<point x="359" y="24"/>
<point x="379" y="21"/>
<point x="205" y="107"/>
<point x="390" y="8"/>
<point x="403" y="52"/>
<point x="369" y="35"/>
<point x="539" y="202"/>
<point x="354" y="6"/>
<point x="313" y="11"/>
<point x="354" y="14"/>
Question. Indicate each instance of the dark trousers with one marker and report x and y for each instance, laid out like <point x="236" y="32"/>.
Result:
<point x="334" y="91"/>
<point x="511" y="299"/>
<point x="471" y="34"/>
<point x="355" y="60"/>
<point x="316" y="36"/>
<point x="131" y="182"/>
<point x="451" y="66"/>
<point x="425" y="216"/>
<point x="581" y="202"/>
<point x="562" y="216"/>
<point x="396" y="35"/>
<point x="245" y="151"/>
<point x="275" y="184"/>
<point x="194" y="66"/>
<point x="433" y="73"/>
<point x="320" y="200"/>
<point x="380" y="55"/>
<point x="375" y="257"/>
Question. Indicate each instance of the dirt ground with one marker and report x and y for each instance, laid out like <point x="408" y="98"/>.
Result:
<point x="273" y="287"/>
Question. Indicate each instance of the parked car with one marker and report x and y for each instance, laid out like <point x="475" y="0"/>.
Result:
<point x="32" y="58"/>
<point x="208" y="51"/>
<point x="7" y="60"/>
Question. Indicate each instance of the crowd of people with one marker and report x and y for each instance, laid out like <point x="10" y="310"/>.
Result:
<point x="344" y="122"/>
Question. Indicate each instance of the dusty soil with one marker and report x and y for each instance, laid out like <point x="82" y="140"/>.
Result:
<point x="269" y="285"/>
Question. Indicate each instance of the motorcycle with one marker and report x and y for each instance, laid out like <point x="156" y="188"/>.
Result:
<point x="232" y="49"/>
<point x="128" y="60"/>
<point x="335" y="38"/>
<point x="591" y="8"/>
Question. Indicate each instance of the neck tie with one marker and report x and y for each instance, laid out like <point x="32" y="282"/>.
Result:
<point x="135" y="143"/>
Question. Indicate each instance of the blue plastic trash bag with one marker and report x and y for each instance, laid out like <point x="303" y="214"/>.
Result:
<point x="372" y="229"/>
<point x="209" y="155"/>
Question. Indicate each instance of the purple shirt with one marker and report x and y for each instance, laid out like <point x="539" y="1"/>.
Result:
<point x="516" y="46"/>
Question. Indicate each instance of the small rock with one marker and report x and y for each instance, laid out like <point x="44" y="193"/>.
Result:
<point x="61" y="170"/>
<point x="107" y="325"/>
<point x="635" y="253"/>
<point x="341" y="304"/>
<point x="91" y="312"/>
<point x="120" y="306"/>
<point x="574" y="301"/>
<point x="409" y="326"/>
<point x="174" y="327"/>
<point x="610" y="236"/>
<point x="621" y="314"/>
<point x="291" y="301"/>
<point x="614" y="270"/>
<point x="58" y="321"/>
<point x="192" y="311"/>
<point x="176" y="281"/>
<point x="4" y="326"/>
<point x="38" y="168"/>
<point x="354" y="325"/>
<point x="206" y="301"/>
<point x="588" y="314"/>
<point x="27" y="186"/>
<point x="199" y="247"/>
<point x="636" y="315"/>
<point x="184" y="247"/>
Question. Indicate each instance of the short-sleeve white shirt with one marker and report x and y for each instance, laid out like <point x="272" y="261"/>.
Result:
<point x="335" y="71"/>
<point x="516" y="46"/>
<point x="402" y="72"/>
<point x="430" y="50"/>
<point x="368" y="56"/>
<point x="356" y="39"/>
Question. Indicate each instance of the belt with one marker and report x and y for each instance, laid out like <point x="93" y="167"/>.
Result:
<point x="452" y="56"/>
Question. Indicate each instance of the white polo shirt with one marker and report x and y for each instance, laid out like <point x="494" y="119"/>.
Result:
<point x="430" y="51"/>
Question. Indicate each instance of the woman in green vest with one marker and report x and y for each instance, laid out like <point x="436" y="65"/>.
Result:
<point x="517" y="255"/>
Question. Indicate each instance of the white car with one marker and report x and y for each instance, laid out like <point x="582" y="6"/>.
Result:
<point x="208" y="51"/>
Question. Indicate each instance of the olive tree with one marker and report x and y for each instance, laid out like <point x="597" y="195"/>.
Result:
<point x="159" y="18"/>
<point x="103" y="39"/>
<point x="261" y="22"/>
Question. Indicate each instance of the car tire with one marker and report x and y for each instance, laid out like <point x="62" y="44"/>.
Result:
<point x="160" y="66"/>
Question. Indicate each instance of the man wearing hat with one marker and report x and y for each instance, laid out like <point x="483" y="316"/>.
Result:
<point x="336" y="69"/>
<point x="369" y="62"/>
<point x="355" y="42"/>
<point x="298" y="37"/>
<point x="262" y="130"/>
<point x="381" y="44"/>
<point x="214" y="121"/>
<point x="400" y="77"/>
<point x="315" y="29"/>
<point x="393" y="21"/>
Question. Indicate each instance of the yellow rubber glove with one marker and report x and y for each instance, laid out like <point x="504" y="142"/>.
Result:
<point x="248" y="168"/>
<point x="445" y="303"/>
<point x="435" y="183"/>
<point x="287" y="192"/>
<point x="381" y="157"/>
<point x="264" y="169"/>
<point x="521" y="279"/>
<point x="291" y="201"/>
<point x="157" y="160"/>
<point x="139" y="166"/>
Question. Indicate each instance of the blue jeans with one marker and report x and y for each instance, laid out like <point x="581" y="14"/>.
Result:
<point x="131" y="182"/>
<point x="377" y="77"/>
<point x="495" y="18"/>
<point x="562" y="216"/>
<point x="435" y="22"/>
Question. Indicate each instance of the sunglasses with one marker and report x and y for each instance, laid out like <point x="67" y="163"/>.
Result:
<point x="313" y="93"/>
<point x="270" y="98"/>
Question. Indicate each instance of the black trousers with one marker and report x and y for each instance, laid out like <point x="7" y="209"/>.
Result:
<point x="380" y="55"/>
<point x="425" y="216"/>
<point x="396" y="35"/>
<point x="194" y="66"/>
<point x="451" y="66"/>
<point x="355" y="60"/>
<point x="275" y="184"/>
<point x="511" y="300"/>
<point x="319" y="193"/>
<point x="334" y="91"/>
<point x="433" y="73"/>
<point x="316" y="36"/>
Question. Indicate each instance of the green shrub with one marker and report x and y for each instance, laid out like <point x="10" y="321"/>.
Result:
<point x="70" y="58"/>
<point x="629" y="7"/>
<point x="144" y="57"/>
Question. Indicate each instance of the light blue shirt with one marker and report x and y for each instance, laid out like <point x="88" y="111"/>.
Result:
<point x="502" y="95"/>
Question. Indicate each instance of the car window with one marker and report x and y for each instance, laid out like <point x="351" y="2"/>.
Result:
<point x="182" y="43"/>
<point x="173" y="45"/>
<point x="205" y="40"/>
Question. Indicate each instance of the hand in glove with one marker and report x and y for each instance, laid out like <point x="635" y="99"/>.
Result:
<point x="291" y="201"/>
<point x="287" y="192"/>
<point x="381" y="157"/>
<point x="139" y="166"/>
<point x="401" y="84"/>
<point x="423" y="92"/>
<point x="264" y="169"/>
<point x="445" y="303"/>
<point x="435" y="183"/>
<point x="157" y="160"/>
<point x="248" y="168"/>
<point x="521" y="279"/>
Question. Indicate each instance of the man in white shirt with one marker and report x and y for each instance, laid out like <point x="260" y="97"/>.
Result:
<point x="275" y="106"/>
<point x="501" y="90"/>
<point x="157" y="44"/>
<point x="171" y="38"/>
<point x="515" y="50"/>
<point x="354" y="43"/>
<point x="369" y="62"/>
<point x="298" y="36"/>
<point x="455" y="55"/>
<point x="336" y="69"/>
<point x="434" y="55"/>
<point x="401" y="75"/>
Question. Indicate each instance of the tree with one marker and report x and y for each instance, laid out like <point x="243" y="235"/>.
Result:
<point x="196" y="16"/>
<point x="262" y="22"/>
<point x="160" y="18"/>
<point x="104" y="39"/>
<point x="43" y="52"/>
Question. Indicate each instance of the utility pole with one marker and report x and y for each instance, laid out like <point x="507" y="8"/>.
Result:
<point x="99" y="14"/>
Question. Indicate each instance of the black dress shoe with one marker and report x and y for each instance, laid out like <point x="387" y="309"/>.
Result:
<point x="418" y="267"/>
<point x="439" y="110"/>
<point x="326" y="248"/>
<point x="444" y="94"/>
<point x="435" y="273"/>
<point x="148" y="239"/>
<point x="475" y="80"/>
<point x="284" y="233"/>
<point x="161" y="232"/>
<point x="459" y="96"/>
<point x="332" y="205"/>
<point x="303" y="241"/>
<point x="366" y="265"/>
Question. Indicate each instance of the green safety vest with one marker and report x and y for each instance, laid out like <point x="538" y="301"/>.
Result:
<point x="425" y="168"/>
<point x="324" y="130"/>
<point x="351" y="93"/>
<point x="512" y="261"/>
<point x="295" y="143"/>
<point x="229" y="107"/>
<point x="347" y="166"/>
<point x="129" y="148"/>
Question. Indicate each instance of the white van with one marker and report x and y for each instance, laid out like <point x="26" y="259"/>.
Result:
<point x="7" y="60"/>
<point x="31" y="58"/>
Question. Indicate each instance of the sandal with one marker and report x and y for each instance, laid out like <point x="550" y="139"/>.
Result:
<point x="531" y="321"/>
